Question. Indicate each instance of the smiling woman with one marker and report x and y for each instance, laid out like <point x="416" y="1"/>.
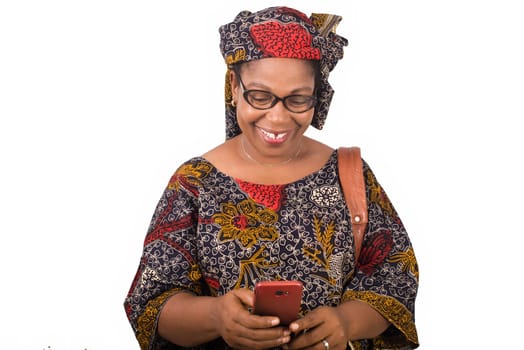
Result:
<point x="93" y="122"/>
<point x="267" y="204"/>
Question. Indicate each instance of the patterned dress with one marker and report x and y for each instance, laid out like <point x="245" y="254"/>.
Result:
<point x="212" y="233"/>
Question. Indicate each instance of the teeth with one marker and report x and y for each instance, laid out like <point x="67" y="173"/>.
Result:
<point x="273" y="136"/>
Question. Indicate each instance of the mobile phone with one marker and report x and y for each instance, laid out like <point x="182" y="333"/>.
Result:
<point x="278" y="298"/>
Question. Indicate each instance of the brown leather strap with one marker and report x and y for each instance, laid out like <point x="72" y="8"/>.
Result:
<point x="354" y="188"/>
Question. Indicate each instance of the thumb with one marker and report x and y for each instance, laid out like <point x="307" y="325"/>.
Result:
<point x="246" y="296"/>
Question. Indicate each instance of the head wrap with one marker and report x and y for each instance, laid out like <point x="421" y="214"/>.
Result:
<point x="287" y="33"/>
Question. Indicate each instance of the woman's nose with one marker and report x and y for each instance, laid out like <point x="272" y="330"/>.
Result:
<point x="278" y="112"/>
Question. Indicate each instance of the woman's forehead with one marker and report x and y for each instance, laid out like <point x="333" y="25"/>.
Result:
<point x="279" y="65"/>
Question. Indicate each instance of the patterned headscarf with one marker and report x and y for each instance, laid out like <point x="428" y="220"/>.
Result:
<point x="287" y="33"/>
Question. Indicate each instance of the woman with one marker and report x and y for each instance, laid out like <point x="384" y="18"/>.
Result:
<point x="267" y="204"/>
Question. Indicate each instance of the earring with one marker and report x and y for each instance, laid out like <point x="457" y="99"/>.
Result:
<point x="233" y="103"/>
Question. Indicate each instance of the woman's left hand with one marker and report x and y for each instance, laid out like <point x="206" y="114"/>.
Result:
<point x="324" y="328"/>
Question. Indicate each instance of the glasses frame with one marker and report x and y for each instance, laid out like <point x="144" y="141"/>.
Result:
<point x="276" y="98"/>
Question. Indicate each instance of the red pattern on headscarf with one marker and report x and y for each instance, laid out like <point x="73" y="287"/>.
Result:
<point x="284" y="40"/>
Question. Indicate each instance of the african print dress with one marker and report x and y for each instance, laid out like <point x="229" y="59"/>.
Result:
<point x="212" y="233"/>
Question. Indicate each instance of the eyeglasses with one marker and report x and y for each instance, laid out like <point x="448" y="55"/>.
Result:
<point x="260" y="99"/>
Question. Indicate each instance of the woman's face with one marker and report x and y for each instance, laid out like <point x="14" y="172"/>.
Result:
<point x="273" y="134"/>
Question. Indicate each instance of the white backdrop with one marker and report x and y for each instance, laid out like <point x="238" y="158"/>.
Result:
<point x="101" y="100"/>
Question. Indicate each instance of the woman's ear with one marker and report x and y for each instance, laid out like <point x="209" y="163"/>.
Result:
<point x="233" y="81"/>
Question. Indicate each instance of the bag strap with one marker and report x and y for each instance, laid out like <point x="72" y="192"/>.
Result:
<point x="354" y="188"/>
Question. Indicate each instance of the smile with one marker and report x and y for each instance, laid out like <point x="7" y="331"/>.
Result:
<point x="273" y="136"/>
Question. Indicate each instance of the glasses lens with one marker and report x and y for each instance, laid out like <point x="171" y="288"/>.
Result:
<point x="260" y="99"/>
<point x="299" y="103"/>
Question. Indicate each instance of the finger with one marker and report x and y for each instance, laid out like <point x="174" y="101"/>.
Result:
<point x="309" y="339"/>
<point x="311" y="329"/>
<point x="314" y="319"/>
<point x="311" y="320"/>
<point x="264" y="344"/>
<point x="258" y="322"/>
<point x="245" y="330"/>
<point x="261" y="338"/>
<point x="314" y="338"/>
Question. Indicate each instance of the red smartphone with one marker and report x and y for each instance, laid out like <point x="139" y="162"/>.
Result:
<point x="278" y="298"/>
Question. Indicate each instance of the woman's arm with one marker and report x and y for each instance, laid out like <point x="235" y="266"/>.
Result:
<point x="187" y="320"/>
<point x="361" y="321"/>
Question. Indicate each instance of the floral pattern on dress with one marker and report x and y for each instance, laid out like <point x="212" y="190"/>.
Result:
<point x="375" y="251"/>
<point x="246" y="222"/>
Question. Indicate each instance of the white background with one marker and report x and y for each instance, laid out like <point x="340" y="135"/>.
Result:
<point x="100" y="101"/>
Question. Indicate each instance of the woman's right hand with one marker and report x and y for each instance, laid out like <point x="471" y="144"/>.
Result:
<point x="241" y="329"/>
